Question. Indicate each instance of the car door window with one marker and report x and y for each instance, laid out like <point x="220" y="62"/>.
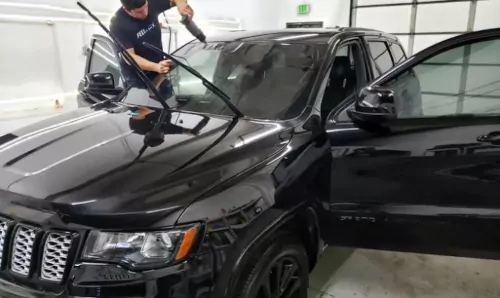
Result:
<point x="104" y="59"/>
<point x="381" y="57"/>
<point x="397" y="53"/>
<point x="346" y="76"/>
<point x="462" y="80"/>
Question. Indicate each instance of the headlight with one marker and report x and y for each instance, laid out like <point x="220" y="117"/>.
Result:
<point x="141" y="249"/>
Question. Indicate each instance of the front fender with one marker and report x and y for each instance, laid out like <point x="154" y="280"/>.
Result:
<point x="269" y="222"/>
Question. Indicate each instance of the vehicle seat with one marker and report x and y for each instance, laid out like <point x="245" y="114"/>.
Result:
<point x="342" y="83"/>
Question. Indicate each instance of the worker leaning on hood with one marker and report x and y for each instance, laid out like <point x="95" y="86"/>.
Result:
<point x="137" y="22"/>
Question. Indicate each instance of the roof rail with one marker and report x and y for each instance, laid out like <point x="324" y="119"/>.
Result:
<point x="358" y="29"/>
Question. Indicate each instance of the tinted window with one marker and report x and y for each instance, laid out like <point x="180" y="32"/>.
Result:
<point x="461" y="80"/>
<point x="398" y="53"/>
<point x="342" y="116"/>
<point x="343" y="81"/>
<point x="381" y="56"/>
<point x="102" y="58"/>
<point x="266" y="80"/>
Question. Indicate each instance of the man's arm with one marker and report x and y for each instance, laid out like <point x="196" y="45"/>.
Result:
<point x="183" y="7"/>
<point x="126" y="38"/>
<point x="178" y="2"/>
<point x="160" y="6"/>
<point x="145" y="64"/>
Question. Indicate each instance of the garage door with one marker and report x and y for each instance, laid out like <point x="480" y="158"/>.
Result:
<point x="421" y="23"/>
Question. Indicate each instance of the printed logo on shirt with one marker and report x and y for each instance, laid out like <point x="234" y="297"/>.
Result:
<point x="146" y="31"/>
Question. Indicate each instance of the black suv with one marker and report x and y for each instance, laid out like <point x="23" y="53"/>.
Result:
<point x="226" y="205"/>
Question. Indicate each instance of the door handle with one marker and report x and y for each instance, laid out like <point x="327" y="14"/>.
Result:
<point x="492" y="137"/>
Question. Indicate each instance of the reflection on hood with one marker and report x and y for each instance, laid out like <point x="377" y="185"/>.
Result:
<point x="144" y="120"/>
<point x="144" y="124"/>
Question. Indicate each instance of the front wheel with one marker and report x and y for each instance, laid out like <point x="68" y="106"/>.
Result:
<point x="279" y="270"/>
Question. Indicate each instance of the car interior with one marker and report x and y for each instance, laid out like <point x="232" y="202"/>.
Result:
<point x="342" y="82"/>
<point x="345" y="77"/>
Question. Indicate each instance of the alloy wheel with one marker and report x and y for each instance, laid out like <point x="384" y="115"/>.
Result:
<point x="282" y="280"/>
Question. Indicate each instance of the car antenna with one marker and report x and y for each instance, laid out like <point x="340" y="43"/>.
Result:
<point x="128" y="59"/>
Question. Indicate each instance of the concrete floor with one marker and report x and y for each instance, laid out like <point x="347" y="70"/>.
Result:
<point x="347" y="273"/>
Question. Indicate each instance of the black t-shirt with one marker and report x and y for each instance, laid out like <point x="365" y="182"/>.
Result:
<point x="131" y="33"/>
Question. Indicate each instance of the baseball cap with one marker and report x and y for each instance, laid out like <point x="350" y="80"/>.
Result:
<point x="133" y="4"/>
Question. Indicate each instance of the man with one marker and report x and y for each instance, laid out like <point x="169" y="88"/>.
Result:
<point x="137" y="22"/>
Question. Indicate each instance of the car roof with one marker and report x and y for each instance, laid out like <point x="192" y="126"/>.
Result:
<point x="295" y="35"/>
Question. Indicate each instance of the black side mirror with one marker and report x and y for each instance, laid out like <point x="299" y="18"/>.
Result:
<point x="374" y="104"/>
<point x="101" y="83"/>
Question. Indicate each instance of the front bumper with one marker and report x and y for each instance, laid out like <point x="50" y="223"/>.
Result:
<point x="11" y="290"/>
<point x="104" y="280"/>
<point x="192" y="278"/>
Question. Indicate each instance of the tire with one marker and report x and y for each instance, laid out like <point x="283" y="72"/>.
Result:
<point x="281" y="260"/>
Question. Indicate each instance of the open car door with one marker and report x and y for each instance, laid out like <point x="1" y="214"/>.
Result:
<point x="101" y="57"/>
<point x="416" y="156"/>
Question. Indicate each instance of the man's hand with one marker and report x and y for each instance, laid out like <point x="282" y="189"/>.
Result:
<point x="184" y="8"/>
<point x="163" y="66"/>
<point x="144" y="64"/>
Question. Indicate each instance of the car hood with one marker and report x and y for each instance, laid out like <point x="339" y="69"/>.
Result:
<point x="84" y="164"/>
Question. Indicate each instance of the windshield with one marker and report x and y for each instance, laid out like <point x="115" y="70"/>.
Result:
<point x="264" y="80"/>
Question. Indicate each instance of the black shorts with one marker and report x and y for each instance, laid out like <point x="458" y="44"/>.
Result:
<point x="136" y="81"/>
<point x="166" y="89"/>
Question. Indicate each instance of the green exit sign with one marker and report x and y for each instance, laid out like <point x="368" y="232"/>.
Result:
<point x="304" y="8"/>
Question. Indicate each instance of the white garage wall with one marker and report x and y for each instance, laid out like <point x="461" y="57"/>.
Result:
<point x="487" y="15"/>
<point x="253" y="14"/>
<point x="421" y="23"/>
<point x="32" y="66"/>
<point x="41" y="58"/>
<point x="330" y="12"/>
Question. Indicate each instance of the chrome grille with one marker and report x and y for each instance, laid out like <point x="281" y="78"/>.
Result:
<point x="22" y="250"/>
<point x="17" y="250"/>
<point x="55" y="256"/>
<point x="4" y="226"/>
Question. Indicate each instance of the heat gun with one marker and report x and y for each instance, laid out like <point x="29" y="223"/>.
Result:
<point x="193" y="29"/>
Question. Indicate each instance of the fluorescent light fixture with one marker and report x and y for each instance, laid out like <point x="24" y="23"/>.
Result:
<point x="39" y="19"/>
<point x="343" y="129"/>
<point x="252" y="137"/>
<point x="297" y="37"/>
<point x="106" y="58"/>
<point x="105" y="50"/>
<point x="50" y="7"/>
<point x="287" y="150"/>
<point x="45" y="130"/>
<point x="49" y="20"/>
<point x="25" y="174"/>
<point x="35" y="18"/>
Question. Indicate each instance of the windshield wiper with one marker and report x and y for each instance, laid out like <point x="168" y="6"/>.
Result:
<point x="129" y="59"/>
<point x="209" y="85"/>
<point x="117" y="98"/>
